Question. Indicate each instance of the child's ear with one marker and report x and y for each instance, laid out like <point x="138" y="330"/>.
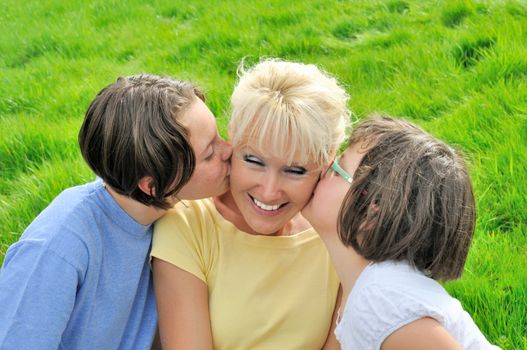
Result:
<point x="369" y="222"/>
<point x="374" y="208"/>
<point x="145" y="185"/>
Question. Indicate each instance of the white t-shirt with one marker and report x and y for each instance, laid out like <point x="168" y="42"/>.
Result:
<point x="390" y="295"/>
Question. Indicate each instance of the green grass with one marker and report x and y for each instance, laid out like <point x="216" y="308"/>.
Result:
<point x="457" y="68"/>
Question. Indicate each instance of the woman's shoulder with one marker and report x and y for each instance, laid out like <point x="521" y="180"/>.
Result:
<point x="189" y="210"/>
<point x="190" y="222"/>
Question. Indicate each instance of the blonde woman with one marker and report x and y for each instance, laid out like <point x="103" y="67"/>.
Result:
<point x="245" y="270"/>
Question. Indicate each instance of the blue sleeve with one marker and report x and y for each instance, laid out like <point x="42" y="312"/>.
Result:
<point x="37" y="296"/>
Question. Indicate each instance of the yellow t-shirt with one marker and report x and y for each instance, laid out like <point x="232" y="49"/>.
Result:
<point x="265" y="292"/>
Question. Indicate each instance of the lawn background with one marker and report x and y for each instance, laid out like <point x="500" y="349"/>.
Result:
<point x="457" y="68"/>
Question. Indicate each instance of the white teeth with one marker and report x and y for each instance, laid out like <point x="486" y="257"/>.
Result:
<point x="265" y="206"/>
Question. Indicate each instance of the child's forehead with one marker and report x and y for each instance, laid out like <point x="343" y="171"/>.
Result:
<point x="361" y="146"/>
<point x="353" y="155"/>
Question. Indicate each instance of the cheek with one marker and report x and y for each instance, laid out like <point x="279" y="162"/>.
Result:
<point x="236" y="171"/>
<point x="209" y="173"/>
<point x="319" y="194"/>
<point x="329" y="195"/>
<point x="240" y="175"/>
<point x="304" y="191"/>
<point x="204" y="178"/>
<point x="213" y="172"/>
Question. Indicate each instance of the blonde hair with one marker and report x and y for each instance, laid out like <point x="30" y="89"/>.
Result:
<point x="289" y="108"/>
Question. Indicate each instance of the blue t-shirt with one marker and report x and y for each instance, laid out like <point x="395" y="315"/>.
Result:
<point x="79" y="278"/>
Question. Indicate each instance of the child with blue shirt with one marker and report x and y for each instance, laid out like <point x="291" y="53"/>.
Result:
<point x="79" y="276"/>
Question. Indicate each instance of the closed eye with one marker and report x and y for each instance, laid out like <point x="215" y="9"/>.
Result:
<point x="211" y="148"/>
<point x="296" y="170"/>
<point x="211" y="154"/>
<point x="253" y="160"/>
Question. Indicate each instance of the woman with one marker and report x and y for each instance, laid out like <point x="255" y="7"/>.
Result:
<point x="245" y="270"/>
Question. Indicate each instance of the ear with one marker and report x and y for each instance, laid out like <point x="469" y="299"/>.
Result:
<point x="145" y="185"/>
<point x="373" y="210"/>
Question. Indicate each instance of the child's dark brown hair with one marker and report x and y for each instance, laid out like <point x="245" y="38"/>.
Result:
<point x="132" y="130"/>
<point x="411" y="199"/>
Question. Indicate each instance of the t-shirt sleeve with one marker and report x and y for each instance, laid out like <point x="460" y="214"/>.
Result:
<point x="185" y="237"/>
<point x="376" y="311"/>
<point x="37" y="295"/>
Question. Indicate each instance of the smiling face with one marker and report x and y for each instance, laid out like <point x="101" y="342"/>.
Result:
<point x="269" y="191"/>
<point x="211" y="175"/>
<point x="323" y="209"/>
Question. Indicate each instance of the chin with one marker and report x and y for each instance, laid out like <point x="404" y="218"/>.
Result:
<point x="264" y="231"/>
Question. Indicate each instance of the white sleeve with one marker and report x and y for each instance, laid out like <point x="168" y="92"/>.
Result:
<point x="373" y="312"/>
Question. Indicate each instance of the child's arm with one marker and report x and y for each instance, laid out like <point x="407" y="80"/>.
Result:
<point x="423" y="334"/>
<point x="182" y="303"/>
<point x="37" y="295"/>
<point x="332" y="342"/>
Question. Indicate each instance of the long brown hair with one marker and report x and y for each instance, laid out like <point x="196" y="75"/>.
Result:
<point x="131" y="130"/>
<point x="411" y="199"/>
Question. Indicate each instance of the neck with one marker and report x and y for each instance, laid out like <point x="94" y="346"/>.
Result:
<point x="348" y="263"/>
<point x="143" y="214"/>
<point x="297" y="224"/>
<point x="226" y="206"/>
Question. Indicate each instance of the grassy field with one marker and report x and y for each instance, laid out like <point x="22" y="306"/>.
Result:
<point x="457" y="68"/>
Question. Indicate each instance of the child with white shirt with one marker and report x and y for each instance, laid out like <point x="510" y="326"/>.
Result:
<point x="396" y="211"/>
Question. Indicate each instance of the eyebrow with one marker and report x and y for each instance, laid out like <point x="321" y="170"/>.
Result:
<point x="252" y="151"/>
<point x="250" y="148"/>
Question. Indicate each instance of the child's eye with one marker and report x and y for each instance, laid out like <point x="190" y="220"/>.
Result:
<point x="210" y="156"/>
<point x="296" y="171"/>
<point x="252" y="160"/>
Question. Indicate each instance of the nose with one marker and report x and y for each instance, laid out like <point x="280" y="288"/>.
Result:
<point x="226" y="150"/>
<point x="270" y="187"/>
<point x="326" y="171"/>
